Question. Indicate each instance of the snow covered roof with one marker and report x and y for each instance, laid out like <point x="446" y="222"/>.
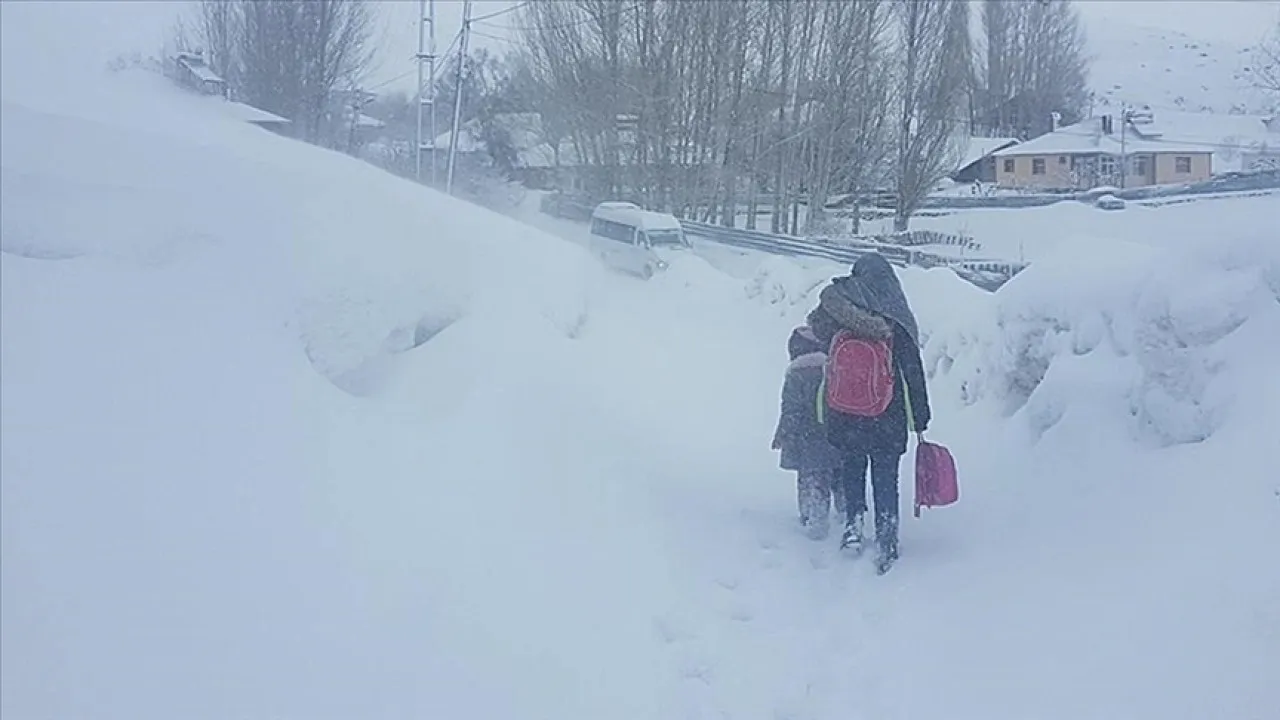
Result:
<point x="1087" y="138"/>
<point x="631" y="214"/>
<point x="524" y="129"/>
<point x="1230" y="137"/>
<point x="528" y="138"/>
<point x="981" y="147"/>
<point x="544" y="156"/>
<point x="1211" y="128"/>
<point x="195" y="63"/>
<point x="249" y="113"/>
<point x="467" y="143"/>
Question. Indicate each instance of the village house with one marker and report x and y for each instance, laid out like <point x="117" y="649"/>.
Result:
<point x="1239" y="142"/>
<point x="977" y="163"/>
<point x="190" y="70"/>
<point x="1094" y="153"/>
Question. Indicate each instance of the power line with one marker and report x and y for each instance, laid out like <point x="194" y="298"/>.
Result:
<point x="492" y="37"/>
<point x="513" y="8"/>
<point x="397" y="78"/>
<point x="439" y="74"/>
<point x="580" y="21"/>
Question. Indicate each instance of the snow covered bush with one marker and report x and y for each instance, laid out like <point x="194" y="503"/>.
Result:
<point x="783" y="283"/>
<point x="488" y="188"/>
<point x="1145" y="333"/>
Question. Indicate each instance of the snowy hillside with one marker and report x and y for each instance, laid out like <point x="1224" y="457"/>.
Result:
<point x="1169" y="70"/>
<point x="285" y="436"/>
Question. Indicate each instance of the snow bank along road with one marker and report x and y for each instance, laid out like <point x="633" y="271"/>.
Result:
<point x="346" y="447"/>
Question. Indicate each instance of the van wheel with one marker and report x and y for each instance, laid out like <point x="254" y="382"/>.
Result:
<point x="647" y="273"/>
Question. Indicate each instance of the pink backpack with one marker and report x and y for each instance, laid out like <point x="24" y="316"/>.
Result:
<point x="936" y="483"/>
<point x="859" y="375"/>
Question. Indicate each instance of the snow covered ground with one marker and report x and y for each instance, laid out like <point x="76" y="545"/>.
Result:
<point x="285" y="436"/>
<point x="1088" y="231"/>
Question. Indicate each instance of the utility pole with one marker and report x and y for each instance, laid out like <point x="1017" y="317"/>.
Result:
<point x="358" y="101"/>
<point x="426" y="86"/>
<point x="457" y="96"/>
<point x="1124" y="158"/>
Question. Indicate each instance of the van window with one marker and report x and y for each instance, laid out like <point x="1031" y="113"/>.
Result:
<point x="612" y="230"/>
<point x="665" y="237"/>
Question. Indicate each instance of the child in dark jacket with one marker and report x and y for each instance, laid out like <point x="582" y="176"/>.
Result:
<point x="802" y="440"/>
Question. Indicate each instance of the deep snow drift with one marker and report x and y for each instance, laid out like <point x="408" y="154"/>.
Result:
<point x="286" y="436"/>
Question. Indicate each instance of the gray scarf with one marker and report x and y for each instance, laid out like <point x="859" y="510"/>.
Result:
<point x="873" y="285"/>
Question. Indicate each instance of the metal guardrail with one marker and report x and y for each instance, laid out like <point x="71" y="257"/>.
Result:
<point x="987" y="273"/>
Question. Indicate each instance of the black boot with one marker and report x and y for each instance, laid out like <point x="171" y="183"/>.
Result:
<point x="815" y="506"/>
<point x="852" y="541"/>
<point x="886" y="542"/>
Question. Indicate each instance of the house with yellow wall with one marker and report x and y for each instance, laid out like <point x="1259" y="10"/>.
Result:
<point x="1093" y="153"/>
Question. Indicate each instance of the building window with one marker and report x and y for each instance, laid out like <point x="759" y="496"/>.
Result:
<point x="1062" y="159"/>
<point x="1182" y="164"/>
<point x="1037" y="166"/>
<point x="1140" y="165"/>
<point x="1008" y="165"/>
<point x="1106" y="167"/>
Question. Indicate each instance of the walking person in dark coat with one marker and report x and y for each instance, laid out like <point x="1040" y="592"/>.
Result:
<point x="870" y="303"/>
<point x="802" y="440"/>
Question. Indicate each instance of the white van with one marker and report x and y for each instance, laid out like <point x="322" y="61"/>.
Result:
<point x="634" y="240"/>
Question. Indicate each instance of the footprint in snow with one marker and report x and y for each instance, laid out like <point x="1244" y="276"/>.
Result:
<point x="672" y="630"/>
<point x="696" y="670"/>
<point x="728" y="582"/>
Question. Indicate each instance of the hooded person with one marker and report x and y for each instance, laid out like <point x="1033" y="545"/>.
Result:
<point x="870" y="304"/>
<point x="802" y="440"/>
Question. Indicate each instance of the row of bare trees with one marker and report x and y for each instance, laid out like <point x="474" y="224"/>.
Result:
<point x="1034" y="64"/>
<point x="285" y="56"/>
<point x="709" y="108"/>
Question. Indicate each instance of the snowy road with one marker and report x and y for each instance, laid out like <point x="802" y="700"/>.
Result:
<point x="233" y="485"/>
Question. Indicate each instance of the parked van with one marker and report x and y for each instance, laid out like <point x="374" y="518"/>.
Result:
<point x="635" y="240"/>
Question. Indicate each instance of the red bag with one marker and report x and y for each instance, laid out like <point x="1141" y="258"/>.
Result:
<point x="859" y="375"/>
<point x="936" y="483"/>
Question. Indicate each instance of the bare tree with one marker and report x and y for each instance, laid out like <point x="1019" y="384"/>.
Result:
<point x="936" y="51"/>
<point x="850" y="139"/>
<point x="1035" y="64"/>
<point x="218" y="26"/>
<point x="336" y="48"/>
<point x="767" y="104"/>
<point x="1266" y="64"/>
<point x="287" y="57"/>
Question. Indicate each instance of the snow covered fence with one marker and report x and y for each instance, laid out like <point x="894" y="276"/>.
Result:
<point x="1227" y="182"/>
<point x="1224" y="183"/>
<point x="988" y="274"/>
<point x="1010" y="202"/>
<point x="916" y="238"/>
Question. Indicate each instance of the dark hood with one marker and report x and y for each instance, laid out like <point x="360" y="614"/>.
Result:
<point x="873" y="285"/>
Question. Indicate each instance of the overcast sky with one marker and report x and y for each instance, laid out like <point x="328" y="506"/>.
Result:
<point x="62" y="33"/>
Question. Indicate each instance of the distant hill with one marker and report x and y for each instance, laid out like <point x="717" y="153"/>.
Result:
<point x="1170" y="70"/>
